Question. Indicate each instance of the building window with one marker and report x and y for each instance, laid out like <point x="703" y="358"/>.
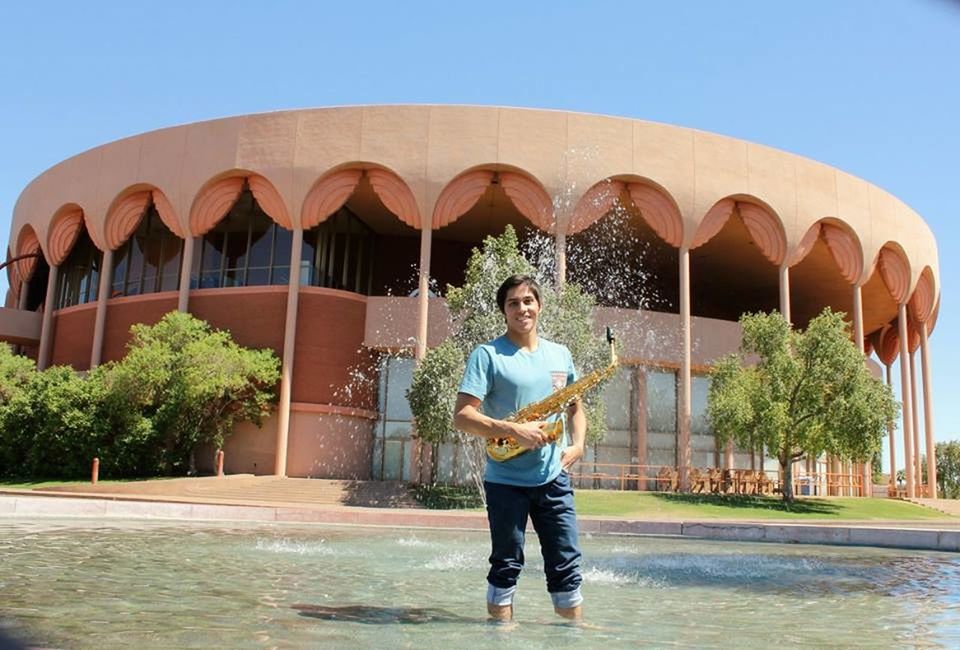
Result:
<point x="338" y="254"/>
<point x="661" y="417"/>
<point x="149" y="261"/>
<point x="246" y="248"/>
<point x="79" y="273"/>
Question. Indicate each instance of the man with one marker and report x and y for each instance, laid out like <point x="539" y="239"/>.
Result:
<point x="501" y="377"/>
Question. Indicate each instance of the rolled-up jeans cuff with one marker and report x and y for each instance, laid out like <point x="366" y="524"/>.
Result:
<point x="567" y="599"/>
<point x="500" y="596"/>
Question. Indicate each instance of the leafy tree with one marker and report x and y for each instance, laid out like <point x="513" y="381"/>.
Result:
<point x="15" y="373"/>
<point x="566" y="318"/>
<point x="192" y="384"/>
<point x="948" y="469"/>
<point x="808" y="393"/>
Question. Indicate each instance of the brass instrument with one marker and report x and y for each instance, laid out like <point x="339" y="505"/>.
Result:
<point x="501" y="449"/>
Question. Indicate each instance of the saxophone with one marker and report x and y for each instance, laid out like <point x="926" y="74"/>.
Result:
<point x="501" y="449"/>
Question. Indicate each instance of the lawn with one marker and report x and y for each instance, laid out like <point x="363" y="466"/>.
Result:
<point x="647" y="505"/>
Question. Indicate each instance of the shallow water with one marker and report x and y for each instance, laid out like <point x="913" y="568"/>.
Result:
<point x="76" y="584"/>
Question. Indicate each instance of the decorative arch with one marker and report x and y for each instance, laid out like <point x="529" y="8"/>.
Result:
<point x="713" y="222"/>
<point x="27" y="243"/>
<point x="595" y="202"/>
<point x="886" y="342"/>
<point x="659" y="210"/>
<point x="530" y="199"/>
<point x="64" y="229"/>
<point x="845" y="248"/>
<point x="895" y="271"/>
<point x="806" y="244"/>
<point x="396" y="196"/>
<point x="124" y="216"/>
<point x="328" y="195"/>
<point x="921" y="302"/>
<point x="460" y="194"/>
<point x="760" y="220"/>
<point x="167" y="214"/>
<point x="218" y="196"/>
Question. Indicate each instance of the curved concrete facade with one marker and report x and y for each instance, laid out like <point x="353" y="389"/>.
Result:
<point x="433" y="174"/>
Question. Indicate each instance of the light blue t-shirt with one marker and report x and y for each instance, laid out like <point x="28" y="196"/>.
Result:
<point x="506" y="378"/>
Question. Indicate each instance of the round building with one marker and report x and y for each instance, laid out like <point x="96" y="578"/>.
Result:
<point x="325" y="234"/>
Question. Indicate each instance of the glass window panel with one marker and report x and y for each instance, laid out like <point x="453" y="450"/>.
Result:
<point x="662" y="401"/>
<point x="235" y="249"/>
<point x="119" y="270"/>
<point x="280" y="275"/>
<point x="209" y="280"/>
<point x="261" y="241"/>
<point x="212" y="247"/>
<point x="258" y="276"/>
<point x="170" y="282"/>
<point x="699" y="420"/>
<point x="135" y="262"/>
<point x="233" y="277"/>
<point x="283" y="245"/>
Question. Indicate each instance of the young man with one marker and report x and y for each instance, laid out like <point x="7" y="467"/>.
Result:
<point x="501" y="377"/>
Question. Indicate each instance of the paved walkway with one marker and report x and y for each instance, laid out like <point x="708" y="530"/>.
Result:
<point x="270" y="499"/>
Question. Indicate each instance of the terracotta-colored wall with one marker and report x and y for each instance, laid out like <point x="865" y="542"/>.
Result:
<point x="250" y="450"/>
<point x="73" y="336"/>
<point x="329" y="446"/>
<point x="124" y="312"/>
<point x="254" y="316"/>
<point x="328" y="359"/>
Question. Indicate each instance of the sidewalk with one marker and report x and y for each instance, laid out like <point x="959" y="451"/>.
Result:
<point x="269" y="499"/>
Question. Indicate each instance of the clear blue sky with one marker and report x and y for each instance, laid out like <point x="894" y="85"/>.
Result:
<point x="869" y="86"/>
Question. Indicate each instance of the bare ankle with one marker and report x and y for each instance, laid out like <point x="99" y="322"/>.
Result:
<point x="570" y="613"/>
<point x="500" y="612"/>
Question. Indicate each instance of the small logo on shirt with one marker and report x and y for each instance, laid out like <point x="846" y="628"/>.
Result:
<point x="559" y="380"/>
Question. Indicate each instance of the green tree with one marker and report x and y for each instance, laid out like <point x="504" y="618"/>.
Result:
<point x="190" y="384"/>
<point x="808" y="393"/>
<point x="566" y="318"/>
<point x="948" y="469"/>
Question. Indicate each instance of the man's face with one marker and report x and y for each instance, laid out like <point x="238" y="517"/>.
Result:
<point x="521" y="310"/>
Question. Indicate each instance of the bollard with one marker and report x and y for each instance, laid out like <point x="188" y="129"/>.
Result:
<point x="219" y="462"/>
<point x="95" y="473"/>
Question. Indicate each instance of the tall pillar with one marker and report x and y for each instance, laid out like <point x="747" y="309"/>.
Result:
<point x="858" y="341"/>
<point x="418" y="451"/>
<point x="917" y="465"/>
<point x="186" y="268"/>
<point x="103" y="293"/>
<point x="907" y="401"/>
<point x="683" y="403"/>
<point x="22" y="300"/>
<point x="289" y="347"/>
<point x="890" y="430"/>
<point x="423" y="296"/>
<point x="785" y="292"/>
<point x="928" y="413"/>
<point x="561" y="245"/>
<point x="46" y="323"/>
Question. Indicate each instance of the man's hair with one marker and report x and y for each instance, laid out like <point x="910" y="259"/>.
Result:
<point x="516" y="281"/>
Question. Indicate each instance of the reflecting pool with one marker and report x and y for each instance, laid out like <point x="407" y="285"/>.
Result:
<point x="77" y="584"/>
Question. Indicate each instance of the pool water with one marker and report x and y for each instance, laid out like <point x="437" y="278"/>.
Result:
<point x="77" y="584"/>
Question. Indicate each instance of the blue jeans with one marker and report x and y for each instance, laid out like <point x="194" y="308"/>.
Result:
<point x="550" y="507"/>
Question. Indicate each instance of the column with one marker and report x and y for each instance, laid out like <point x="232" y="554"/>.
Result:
<point x="785" y="292"/>
<point x="103" y="293"/>
<point x="890" y="430"/>
<point x="907" y="401"/>
<point x="917" y="466"/>
<point x="418" y="464"/>
<point x="289" y="347"/>
<point x="22" y="300"/>
<point x="186" y="268"/>
<point x="683" y="401"/>
<point x="858" y="341"/>
<point x="928" y="413"/>
<point x="46" y="324"/>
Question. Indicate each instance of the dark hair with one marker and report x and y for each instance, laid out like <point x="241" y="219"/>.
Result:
<point x="516" y="281"/>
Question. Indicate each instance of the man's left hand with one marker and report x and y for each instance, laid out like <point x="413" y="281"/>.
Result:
<point x="570" y="455"/>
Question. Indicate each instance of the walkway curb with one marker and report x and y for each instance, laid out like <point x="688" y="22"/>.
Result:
<point x="15" y="506"/>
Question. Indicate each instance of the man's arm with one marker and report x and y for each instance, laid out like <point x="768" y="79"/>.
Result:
<point x="468" y="418"/>
<point x="577" y="417"/>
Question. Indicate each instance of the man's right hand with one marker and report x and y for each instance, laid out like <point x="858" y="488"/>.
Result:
<point x="531" y="435"/>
